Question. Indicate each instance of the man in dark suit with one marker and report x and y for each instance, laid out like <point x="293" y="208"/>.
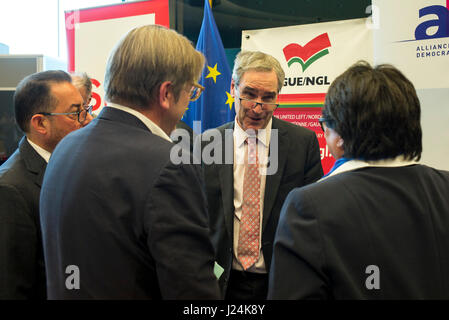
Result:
<point x="121" y="220"/>
<point x="47" y="107"/>
<point x="245" y="192"/>
<point x="377" y="227"/>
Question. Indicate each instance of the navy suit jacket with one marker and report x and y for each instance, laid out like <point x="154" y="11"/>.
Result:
<point x="298" y="164"/>
<point x="115" y="208"/>
<point x="22" y="273"/>
<point x="371" y="233"/>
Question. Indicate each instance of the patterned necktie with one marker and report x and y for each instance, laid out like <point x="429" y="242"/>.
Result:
<point x="248" y="246"/>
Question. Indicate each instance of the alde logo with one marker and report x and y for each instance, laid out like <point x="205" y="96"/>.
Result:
<point x="308" y="54"/>
<point x="432" y="29"/>
<point x="425" y="30"/>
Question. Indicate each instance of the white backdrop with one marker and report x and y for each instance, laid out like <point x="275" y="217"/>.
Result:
<point x="395" y="42"/>
<point x="313" y="53"/>
<point x="92" y="33"/>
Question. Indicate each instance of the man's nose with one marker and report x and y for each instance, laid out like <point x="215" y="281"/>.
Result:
<point x="89" y="118"/>
<point x="258" y="108"/>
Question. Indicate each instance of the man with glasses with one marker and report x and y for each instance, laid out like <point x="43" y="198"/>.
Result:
<point x="47" y="108"/>
<point x="129" y="222"/>
<point x="244" y="197"/>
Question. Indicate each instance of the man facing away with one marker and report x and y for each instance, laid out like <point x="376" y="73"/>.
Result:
<point x="120" y="220"/>
<point x="268" y="158"/>
<point x="47" y="108"/>
<point x="377" y="227"/>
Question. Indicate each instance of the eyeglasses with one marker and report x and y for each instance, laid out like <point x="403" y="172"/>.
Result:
<point x="250" y="104"/>
<point x="329" y="122"/>
<point x="81" y="115"/>
<point x="196" y="91"/>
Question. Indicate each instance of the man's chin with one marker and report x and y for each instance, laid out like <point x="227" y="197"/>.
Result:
<point x="255" y="124"/>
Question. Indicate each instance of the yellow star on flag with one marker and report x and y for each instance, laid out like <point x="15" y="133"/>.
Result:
<point x="213" y="73"/>
<point x="230" y="100"/>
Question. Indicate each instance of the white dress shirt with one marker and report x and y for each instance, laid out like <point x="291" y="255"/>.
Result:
<point x="42" y="152"/>
<point x="154" y="128"/>
<point x="355" y="164"/>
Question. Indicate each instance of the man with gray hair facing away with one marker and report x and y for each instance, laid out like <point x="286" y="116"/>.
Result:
<point x="119" y="219"/>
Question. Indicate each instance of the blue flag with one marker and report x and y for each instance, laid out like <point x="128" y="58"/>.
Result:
<point x="215" y="106"/>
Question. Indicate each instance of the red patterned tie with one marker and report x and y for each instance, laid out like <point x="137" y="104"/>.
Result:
<point x="248" y="246"/>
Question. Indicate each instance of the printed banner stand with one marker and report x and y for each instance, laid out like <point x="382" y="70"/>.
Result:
<point x="312" y="56"/>
<point x="93" y="32"/>
<point x="419" y="47"/>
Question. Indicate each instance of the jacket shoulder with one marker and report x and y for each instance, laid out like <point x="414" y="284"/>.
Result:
<point x="13" y="170"/>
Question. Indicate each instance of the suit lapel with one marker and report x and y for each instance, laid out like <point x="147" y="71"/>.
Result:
<point x="226" y="176"/>
<point x="273" y="181"/>
<point x="34" y="163"/>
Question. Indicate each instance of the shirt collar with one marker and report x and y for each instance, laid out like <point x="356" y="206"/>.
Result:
<point x="263" y="135"/>
<point x="355" y="164"/>
<point x="154" y="128"/>
<point x="42" y="152"/>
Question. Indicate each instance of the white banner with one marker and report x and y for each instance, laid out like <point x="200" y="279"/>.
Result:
<point x="93" y="32"/>
<point x="413" y="35"/>
<point x="312" y="56"/>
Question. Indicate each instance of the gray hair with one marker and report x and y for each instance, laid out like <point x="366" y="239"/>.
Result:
<point x="257" y="61"/>
<point x="145" y="58"/>
<point x="82" y="80"/>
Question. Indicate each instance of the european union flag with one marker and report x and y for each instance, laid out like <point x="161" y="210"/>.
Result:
<point x="215" y="105"/>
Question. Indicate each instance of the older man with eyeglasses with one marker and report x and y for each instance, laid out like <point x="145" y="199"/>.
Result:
<point x="47" y="108"/>
<point x="270" y="158"/>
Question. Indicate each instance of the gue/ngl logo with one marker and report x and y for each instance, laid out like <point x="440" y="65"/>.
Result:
<point x="308" y="54"/>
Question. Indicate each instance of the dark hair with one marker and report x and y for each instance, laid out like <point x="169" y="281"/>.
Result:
<point x="376" y="112"/>
<point x="33" y="95"/>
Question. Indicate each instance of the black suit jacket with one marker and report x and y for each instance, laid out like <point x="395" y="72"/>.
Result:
<point x="133" y="223"/>
<point x="298" y="165"/>
<point x="22" y="273"/>
<point x="333" y="232"/>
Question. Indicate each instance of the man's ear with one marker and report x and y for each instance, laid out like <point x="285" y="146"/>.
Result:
<point x="165" y="94"/>
<point x="340" y="142"/>
<point x="233" y="88"/>
<point x="39" y="124"/>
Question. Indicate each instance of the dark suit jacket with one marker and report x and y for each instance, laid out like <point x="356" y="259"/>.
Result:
<point x="298" y="164"/>
<point x="133" y="223"/>
<point x="22" y="273"/>
<point x="184" y="137"/>
<point x="394" y="218"/>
